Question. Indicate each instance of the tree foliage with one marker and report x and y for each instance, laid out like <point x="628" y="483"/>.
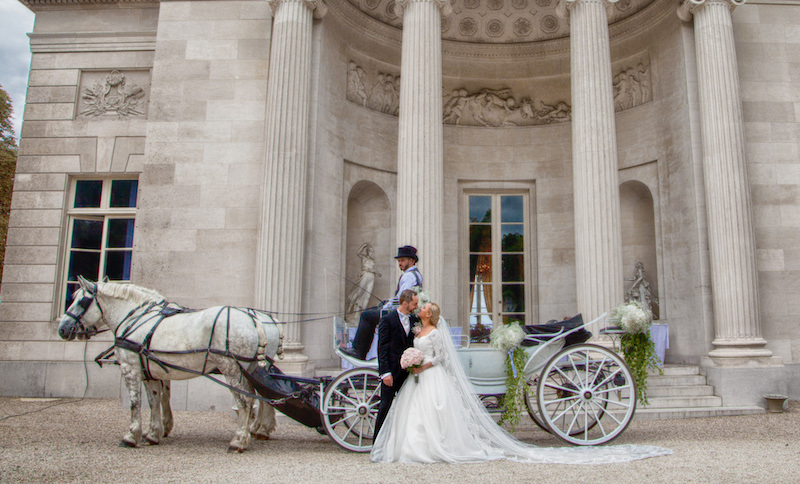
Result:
<point x="8" y="164"/>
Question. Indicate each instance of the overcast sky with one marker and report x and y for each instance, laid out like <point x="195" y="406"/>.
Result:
<point x="16" y="21"/>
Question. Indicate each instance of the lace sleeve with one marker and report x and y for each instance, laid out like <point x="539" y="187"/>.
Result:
<point x="439" y="354"/>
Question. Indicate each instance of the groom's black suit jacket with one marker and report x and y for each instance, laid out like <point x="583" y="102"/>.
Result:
<point x="392" y="342"/>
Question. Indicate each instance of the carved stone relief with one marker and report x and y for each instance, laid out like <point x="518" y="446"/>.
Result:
<point x="382" y="94"/>
<point x="632" y="87"/>
<point x="113" y="93"/>
<point x="380" y="91"/>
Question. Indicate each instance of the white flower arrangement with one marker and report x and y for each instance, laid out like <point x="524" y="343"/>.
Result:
<point x="632" y="317"/>
<point x="506" y="336"/>
<point x="423" y="296"/>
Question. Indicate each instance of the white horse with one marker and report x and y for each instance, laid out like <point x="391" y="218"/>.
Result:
<point x="156" y="342"/>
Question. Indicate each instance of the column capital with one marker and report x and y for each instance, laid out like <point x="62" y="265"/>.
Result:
<point x="445" y="6"/>
<point x="687" y="8"/>
<point x="317" y="6"/>
<point x="565" y="6"/>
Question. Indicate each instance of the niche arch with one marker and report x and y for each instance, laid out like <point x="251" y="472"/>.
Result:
<point x="369" y="220"/>
<point x="638" y="223"/>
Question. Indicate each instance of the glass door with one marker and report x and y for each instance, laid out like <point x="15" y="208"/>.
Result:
<point x="498" y="289"/>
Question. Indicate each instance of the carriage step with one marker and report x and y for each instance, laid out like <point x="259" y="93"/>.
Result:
<point x="683" y="402"/>
<point x="647" y="413"/>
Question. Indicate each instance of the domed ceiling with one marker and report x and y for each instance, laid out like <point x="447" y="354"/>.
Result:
<point x="498" y="21"/>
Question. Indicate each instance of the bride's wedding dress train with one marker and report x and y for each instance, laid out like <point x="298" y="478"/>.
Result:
<point x="439" y="419"/>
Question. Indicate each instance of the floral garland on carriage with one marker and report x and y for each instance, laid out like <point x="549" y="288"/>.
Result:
<point x="636" y="345"/>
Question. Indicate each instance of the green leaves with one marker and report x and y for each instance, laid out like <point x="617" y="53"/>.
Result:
<point x="640" y="355"/>
<point x="514" y="399"/>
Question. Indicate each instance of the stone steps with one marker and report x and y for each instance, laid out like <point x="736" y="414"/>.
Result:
<point x="682" y="392"/>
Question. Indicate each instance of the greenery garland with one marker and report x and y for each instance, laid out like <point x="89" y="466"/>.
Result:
<point x="640" y="355"/>
<point x="514" y="399"/>
<point x="637" y="347"/>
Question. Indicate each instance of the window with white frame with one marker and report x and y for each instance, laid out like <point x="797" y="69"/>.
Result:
<point x="499" y="287"/>
<point x="99" y="231"/>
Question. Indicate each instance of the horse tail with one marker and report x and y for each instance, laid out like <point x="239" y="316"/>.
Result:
<point x="261" y="353"/>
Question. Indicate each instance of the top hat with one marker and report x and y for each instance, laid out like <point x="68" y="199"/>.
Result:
<point x="407" y="251"/>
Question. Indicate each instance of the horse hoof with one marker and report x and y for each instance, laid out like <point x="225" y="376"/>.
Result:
<point x="235" y="450"/>
<point x="151" y="441"/>
<point x="260" y="436"/>
<point x="127" y="444"/>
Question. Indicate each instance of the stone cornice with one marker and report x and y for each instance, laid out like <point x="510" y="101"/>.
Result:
<point x="93" y="42"/>
<point x="38" y="5"/>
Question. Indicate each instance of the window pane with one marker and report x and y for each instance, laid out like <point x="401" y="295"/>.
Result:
<point x="511" y="209"/>
<point x="87" y="234"/>
<point x="480" y="327"/>
<point x="516" y="318"/>
<point x="513" y="298"/>
<point x="86" y="264"/>
<point x="480" y="238"/>
<point x="123" y="193"/>
<point x="513" y="268"/>
<point x="480" y="209"/>
<point x="71" y="288"/>
<point x="87" y="193"/>
<point x="480" y="268"/>
<point x="481" y="298"/>
<point x="513" y="238"/>
<point x="118" y="265"/>
<point x="120" y="233"/>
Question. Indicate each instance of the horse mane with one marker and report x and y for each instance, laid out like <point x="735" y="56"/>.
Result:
<point x="129" y="292"/>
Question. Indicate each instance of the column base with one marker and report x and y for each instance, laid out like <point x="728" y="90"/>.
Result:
<point x="747" y="383"/>
<point x="294" y="362"/>
<point x="740" y="349"/>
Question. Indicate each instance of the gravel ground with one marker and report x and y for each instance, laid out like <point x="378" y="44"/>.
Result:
<point x="74" y="440"/>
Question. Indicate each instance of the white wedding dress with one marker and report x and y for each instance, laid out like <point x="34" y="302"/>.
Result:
<point x="439" y="419"/>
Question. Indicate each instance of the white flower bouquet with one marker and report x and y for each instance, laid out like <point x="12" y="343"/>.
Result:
<point x="632" y="317"/>
<point x="411" y="358"/>
<point x="506" y="336"/>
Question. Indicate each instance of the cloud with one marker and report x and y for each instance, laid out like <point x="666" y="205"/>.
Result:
<point x="16" y="21"/>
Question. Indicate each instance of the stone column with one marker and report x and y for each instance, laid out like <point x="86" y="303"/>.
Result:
<point x="420" y="152"/>
<point x="731" y="240"/>
<point x="598" y="236"/>
<point x="279" y="268"/>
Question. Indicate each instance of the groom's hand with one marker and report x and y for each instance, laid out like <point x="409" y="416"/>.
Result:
<point x="388" y="380"/>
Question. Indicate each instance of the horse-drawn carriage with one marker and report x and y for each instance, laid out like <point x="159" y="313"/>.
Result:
<point x="583" y="393"/>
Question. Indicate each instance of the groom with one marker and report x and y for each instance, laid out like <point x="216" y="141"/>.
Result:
<point x="394" y="336"/>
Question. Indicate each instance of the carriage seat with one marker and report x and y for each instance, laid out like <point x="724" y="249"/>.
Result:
<point x="553" y="328"/>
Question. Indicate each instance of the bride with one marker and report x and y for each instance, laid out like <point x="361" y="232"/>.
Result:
<point x="439" y="419"/>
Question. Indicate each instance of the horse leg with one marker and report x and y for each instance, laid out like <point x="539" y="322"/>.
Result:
<point x="166" y="408"/>
<point x="263" y="421"/>
<point x="241" y="440"/>
<point x="133" y="380"/>
<point x="155" y="431"/>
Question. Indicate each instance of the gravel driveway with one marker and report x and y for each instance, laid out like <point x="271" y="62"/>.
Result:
<point x="74" y="440"/>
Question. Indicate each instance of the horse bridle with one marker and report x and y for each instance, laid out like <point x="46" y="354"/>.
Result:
<point x="86" y="301"/>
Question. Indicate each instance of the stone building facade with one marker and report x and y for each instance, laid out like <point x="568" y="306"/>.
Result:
<point x="240" y="152"/>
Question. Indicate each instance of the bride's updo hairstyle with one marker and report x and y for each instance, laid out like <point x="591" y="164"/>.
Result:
<point x="435" y="312"/>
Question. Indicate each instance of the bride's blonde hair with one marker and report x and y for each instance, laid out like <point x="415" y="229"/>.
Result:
<point x="435" y="312"/>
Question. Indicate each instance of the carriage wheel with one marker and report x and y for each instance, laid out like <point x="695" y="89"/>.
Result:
<point x="531" y="402"/>
<point x="350" y="406"/>
<point x="587" y="388"/>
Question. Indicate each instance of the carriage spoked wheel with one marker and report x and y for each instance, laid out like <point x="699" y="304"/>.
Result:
<point x="531" y="402"/>
<point x="350" y="406"/>
<point x="586" y="395"/>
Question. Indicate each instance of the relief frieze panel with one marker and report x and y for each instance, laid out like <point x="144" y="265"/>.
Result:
<point x="113" y="93"/>
<point x="633" y="84"/>
<point x="379" y="90"/>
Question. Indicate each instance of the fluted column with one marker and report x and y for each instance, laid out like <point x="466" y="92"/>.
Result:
<point x="598" y="239"/>
<point x="731" y="239"/>
<point x="281" y="237"/>
<point x="420" y="152"/>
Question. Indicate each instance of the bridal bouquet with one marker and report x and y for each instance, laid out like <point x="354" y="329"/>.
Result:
<point x="412" y="358"/>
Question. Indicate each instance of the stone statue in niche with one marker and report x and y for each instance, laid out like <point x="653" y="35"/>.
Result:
<point x="114" y="95"/>
<point x="632" y="87"/>
<point x="356" y="85"/>
<point x="358" y="297"/>
<point x="640" y="291"/>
